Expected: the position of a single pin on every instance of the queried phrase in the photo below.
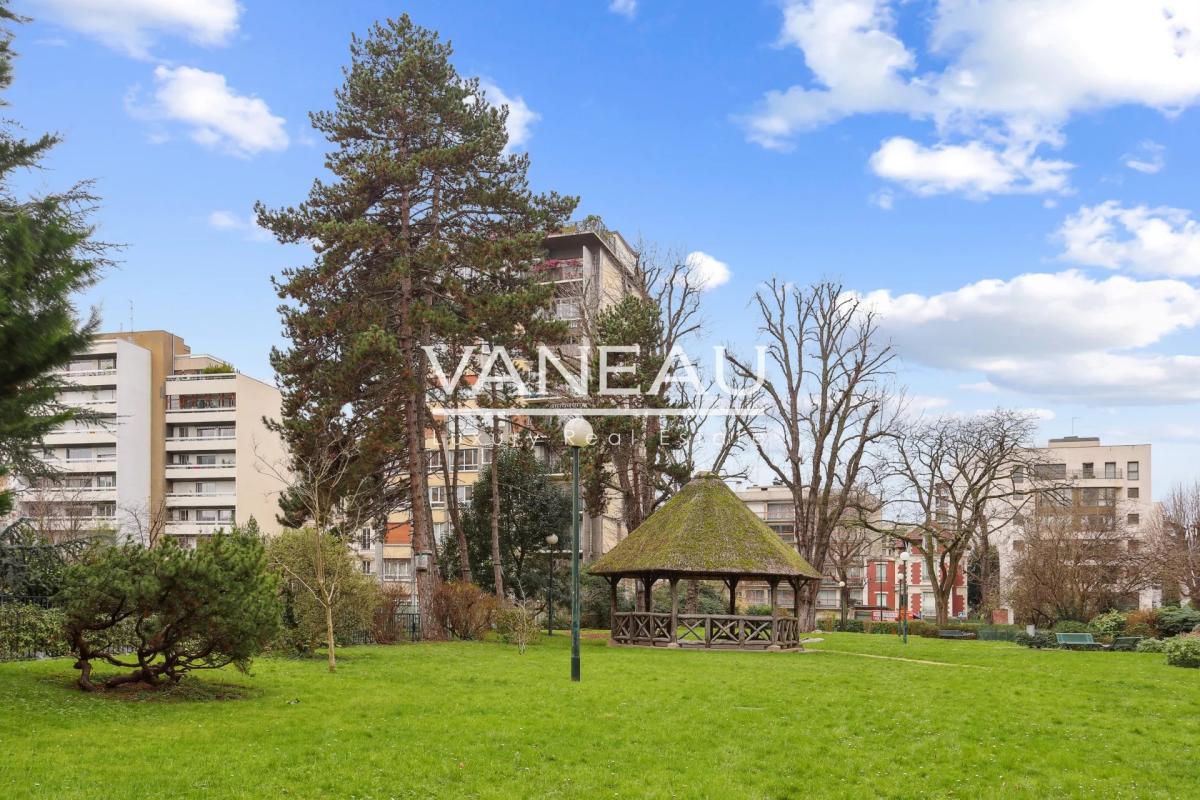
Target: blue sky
(1013, 184)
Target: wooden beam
(774, 584)
(732, 583)
(674, 610)
(612, 603)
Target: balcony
(199, 471)
(194, 528)
(200, 499)
(108, 464)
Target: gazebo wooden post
(612, 603)
(732, 584)
(796, 601)
(675, 611)
(648, 583)
(774, 584)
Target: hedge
(30, 631)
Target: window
(1133, 493)
(437, 496)
(1051, 471)
(395, 569)
(1133, 519)
(881, 599)
(1133, 545)
(828, 598)
(1132, 470)
(106, 481)
(467, 460)
(1018, 546)
(434, 459)
(1089, 469)
(781, 511)
(367, 567)
(757, 597)
(1110, 469)
(880, 571)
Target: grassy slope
(463, 720)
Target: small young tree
(328, 595)
(177, 610)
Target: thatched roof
(704, 531)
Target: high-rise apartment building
(178, 448)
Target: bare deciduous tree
(958, 477)
(1179, 537)
(1069, 570)
(826, 395)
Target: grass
(930, 719)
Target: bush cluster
(1183, 651)
(518, 624)
(1042, 640)
(464, 610)
(27, 630)
(1151, 645)
(1110, 623)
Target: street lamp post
(842, 595)
(551, 540)
(577, 433)
(904, 595)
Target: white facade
(181, 448)
(1103, 480)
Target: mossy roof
(704, 531)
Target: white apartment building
(180, 448)
(1106, 485)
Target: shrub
(1042, 640)
(1071, 626)
(518, 624)
(1146, 620)
(881, 626)
(1151, 645)
(850, 625)
(1110, 623)
(194, 609)
(1175, 620)
(463, 609)
(391, 598)
(759, 611)
(27, 629)
(1183, 651)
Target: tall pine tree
(46, 255)
(425, 226)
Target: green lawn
(988, 719)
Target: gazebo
(704, 533)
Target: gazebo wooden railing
(712, 631)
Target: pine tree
(426, 226)
(46, 254)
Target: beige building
(1106, 485)
(179, 449)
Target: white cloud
(1149, 158)
(248, 226)
(986, 387)
(217, 116)
(1059, 335)
(1011, 71)
(626, 8)
(521, 117)
(884, 198)
(708, 271)
(1156, 241)
(975, 168)
(133, 25)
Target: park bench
(1077, 641)
(955, 635)
(1127, 643)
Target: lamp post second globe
(551, 542)
(577, 433)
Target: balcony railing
(204, 376)
(228, 438)
(201, 494)
(85, 373)
(201, 466)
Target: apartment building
(591, 268)
(883, 590)
(179, 447)
(1096, 486)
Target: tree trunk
(331, 656)
(497, 567)
(692, 604)
(806, 605)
